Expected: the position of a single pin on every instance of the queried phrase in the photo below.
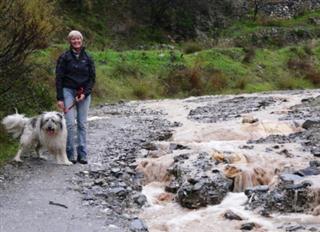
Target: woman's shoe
(82, 160)
(72, 159)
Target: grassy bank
(182, 72)
(164, 73)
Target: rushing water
(225, 140)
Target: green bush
(126, 70)
(191, 47)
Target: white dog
(46, 131)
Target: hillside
(159, 49)
(132, 24)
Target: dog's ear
(61, 125)
(60, 115)
(42, 119)
(33, 122)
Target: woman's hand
(79, 99)
(60, 105)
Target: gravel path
(39, 195)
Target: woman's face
(76, 43)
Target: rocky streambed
(213, 163)
(247, 162)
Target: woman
(75, 77)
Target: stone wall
(287, 8)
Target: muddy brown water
(225, 139)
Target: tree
(256, 7)
(25, 26)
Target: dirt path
(24, 202)
(26, 189)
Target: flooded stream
(226, 137)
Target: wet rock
(276, 147)
(288, 178)
(257, 189)
(172, 187)
(139, 199)
(309, 171)
(302, 185)
(115, 170)
(248, 147)
(181, 157)
(100, 182)
(203, 191)
(118, 190)
(285, 153)
(308, 124)
(137, 225)
(289, 195)
(314, 163)
(177, 124)
(316, 152)
(294, 228)
(150, 146)
(232, 216)
(268, 149)
(249, 119)
(175, 146)
(248, 226)
(280, 139)
(313, 229)
(230, 109)
(165, 135)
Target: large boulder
(293, 193)
(202, 191)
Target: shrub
(290, 83)
(191, 47)
(250, 54)
(217, 79)
(28, 26)
(141, 91)
(299, 64)
(313, 76)
(241, 83)
(181, 79)
(126, 69)
(306, 68)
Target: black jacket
(74, 73)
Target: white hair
(73, 34)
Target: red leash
(79, 92)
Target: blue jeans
(80, 112)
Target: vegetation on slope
(246, 56)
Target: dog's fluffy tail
(14, 124)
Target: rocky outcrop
(196, 181)
(293, 193)
(287, 8)
(203, 190)
(229, 109)
(277, 36)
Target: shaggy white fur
(46, 131)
